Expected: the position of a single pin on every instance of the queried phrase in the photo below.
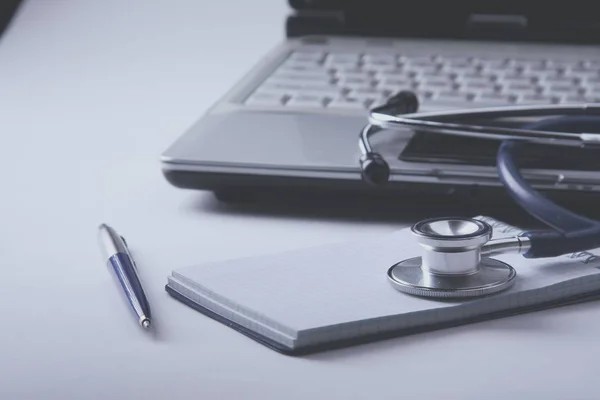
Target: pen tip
(146, 323)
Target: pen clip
(129, 253)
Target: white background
(91, 92)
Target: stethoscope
(456, 252)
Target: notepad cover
(340, 344)
(337, 295)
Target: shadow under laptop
(406, 208)
(333, 208)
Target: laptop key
(451, 96)
(583, 70)
(593, 90)
(325, 92)
(493, 98)
(364, 80)
(348, 103)
(393, 74)
(494, 65)
(350, 70)
(380, 59)
(579, 98)
(436, 85)
(265, 99)
(380, 63)
(560, 89)
(470, 70)
(564, 79)
(560, 64)
(512, 77)
(478, 84)
(304, 68)
(585, 76)
(394, 81)
(306, 56)
(478, 76)
(363, 89)
(383, 69)
(300, 85)
(592, 80)
(533, 99)
(529, 65)
(520, 88)
(437, 80)
(341, 61)
(429, 70)
(306, 100)
(420, 61)
(302, 73)
(459, 63)
(343, 57)
(341, 74)
(301, 79)
(368, 99)
(372, 91)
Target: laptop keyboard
(358, 81)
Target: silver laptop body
(294, 119)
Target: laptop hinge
(449, 22)
(496, 21)
(495, 25)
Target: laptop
(292, 123)
(8, 10)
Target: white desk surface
(91, 92)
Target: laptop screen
(505, 19)
(581, 8)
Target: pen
(119, 260)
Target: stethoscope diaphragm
(492, 276)
(452, 265)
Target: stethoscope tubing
(434, 122)
(570, 232)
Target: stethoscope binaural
(456, 252)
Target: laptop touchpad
(288, 140)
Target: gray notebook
(337, 295)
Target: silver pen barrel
(110, 242)
(118, 259)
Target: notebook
(337, 295)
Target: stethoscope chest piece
(452, 265)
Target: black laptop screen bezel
(576, 21)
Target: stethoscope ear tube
(374, 169)
(572, 232)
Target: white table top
(91, 92)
